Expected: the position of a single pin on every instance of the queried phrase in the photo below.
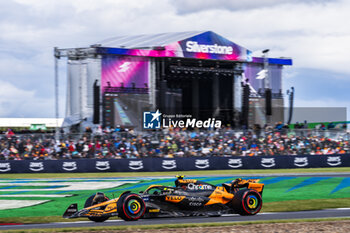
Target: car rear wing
(239, 183)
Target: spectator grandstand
(120, 143)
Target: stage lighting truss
(76, 53)
(183, 70)
(126, 90)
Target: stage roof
(147, 40)
(194, 44)
(190, 44)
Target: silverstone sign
(193, 46)
(174, 164)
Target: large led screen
(124, 110)
(124, 72)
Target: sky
(314, 33)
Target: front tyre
(247, 202)
(93, 200)
(131, 207)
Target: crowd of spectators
(116, 144)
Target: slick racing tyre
(131, 207)
(247, 202)
(100, 197)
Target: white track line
(114, 220)
(34, 195)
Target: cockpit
(158, 189)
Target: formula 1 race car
(189, 197)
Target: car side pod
(71, 211)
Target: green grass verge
(282, 206)
(277, 189)
(139, 228)
(173, 173)
(280, 193)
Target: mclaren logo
(268, 162)
(36, 166)
(135, 165)
(169, 164)
(235, 163)
(5, 167)
(334, 161)
(69, 166)
(202, 163)
(102, 165)
(301, 162)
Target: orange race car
(189, 197)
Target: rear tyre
(90, 202)
(131, 207)
(247, 202)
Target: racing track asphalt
(327, 213)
